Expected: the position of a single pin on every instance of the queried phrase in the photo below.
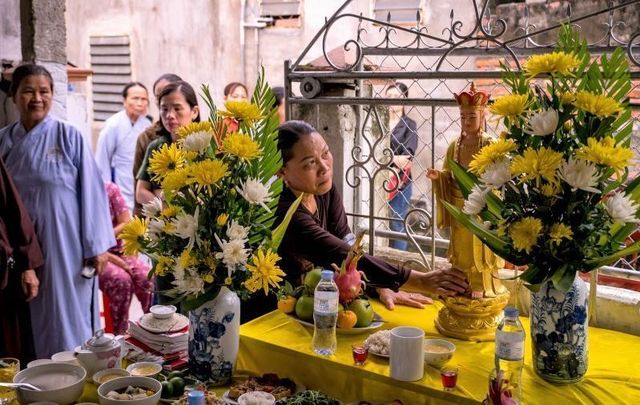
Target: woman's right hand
(438, 282)
(433, 174)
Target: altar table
(275, 343)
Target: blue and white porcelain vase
(214, 337)
(559, 332)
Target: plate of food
(355, 318)
(379, 343)
(280, 388)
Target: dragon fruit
(348, 278)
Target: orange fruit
(347, 319)
(287, 304)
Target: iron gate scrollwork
(475, 38)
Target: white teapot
(101, 351)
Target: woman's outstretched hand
(390, 298)
(438, 282)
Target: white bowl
(38, 362)
(162, 311)
(115, 372)
(144, 369)
(60, 382)
(437, 352)
(124, 382)
(253, 397)
(66, 357)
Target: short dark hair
(125, 91)
(186, 90)
(170, 77)
(289, 134)
(26, 70)
(278, 93)
(402, 88)
(230, 88)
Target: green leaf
(606, 260)
(190, 304)
(278, 233)
(466, 181)
(495, 243)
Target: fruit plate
(377, 323)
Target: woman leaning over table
(318, 234)
(178, 106)
(60, 185)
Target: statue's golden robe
(466, 252)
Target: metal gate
(471, 43)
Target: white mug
(406, 362)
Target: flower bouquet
(554, 193)
(213, 226)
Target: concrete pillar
(44, 41)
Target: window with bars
(280, 9)
(111, 65)
(399, 11)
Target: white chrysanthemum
(542, 123)
(255, 192)
(152, 208)
(237, 231)
(580, 174)
(233, 253)
(187, 226)
(154, 229)
(476, 201)
(622, 208)
(497, 173)
(189, 282)
(197, 141)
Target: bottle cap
(326, 275)
(511, 312)
(195, 397)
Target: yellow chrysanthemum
(169, 211)
(169, 228)
(555, 62)
(228, 281)
(606, 152)
(162, 265)
(525, 233)
(209, 172)
(264, 271)
(175, 180)
(489, 154)
(208, 278)
(511, 106)
(222, 219)
(241, 145)
(597, 104)
(165, 160)
(132, 235)
(242, 111)
(560, 231)
(567, 98)
(186, 259)
(550, 189)
(203, 126)
(537, 164)
(210, 262)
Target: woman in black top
(318, 234)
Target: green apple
(364, 312)
(304, 308)
(311, 280)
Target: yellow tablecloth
(276, 343)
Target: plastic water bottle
(325, 315)
(509, 357)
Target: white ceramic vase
(214, 337)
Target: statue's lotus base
(471, 319)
